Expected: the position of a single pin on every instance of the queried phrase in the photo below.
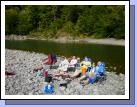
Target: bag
(45, 73)
(39, 74)
(48, 79)
(71, 69)
(63, 83)
(49, 89)
(54, 58)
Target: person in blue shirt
(90, 75)
(95, 73)
(100, 69)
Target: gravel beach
(26, 82)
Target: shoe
(36, 70)
(81, 82)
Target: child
(84, 65)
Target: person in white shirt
(72, 64)
(63, 65)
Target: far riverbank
(105, 41)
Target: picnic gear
(49, 89)
(54, 58)
(45, 73)
(39, 74)
(48, 77)
(63, 83)
(71, 69)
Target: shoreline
(104, 41)
(26, 81)
(109, 41)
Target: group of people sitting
(85, 69)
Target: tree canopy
(52, 21)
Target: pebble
(26, 82)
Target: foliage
(50, 21)
(11, 20)
(24, 24)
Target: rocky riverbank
(26, 81)
(107, 41)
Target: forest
(77, 21)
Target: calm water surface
(113, 56)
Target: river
(113, 56)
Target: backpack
(54, 58)
(49, 89)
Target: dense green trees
(11, 20)
(76, 21)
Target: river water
(113, 56)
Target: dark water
(113, 56)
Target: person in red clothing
(48, 61)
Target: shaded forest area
(72, 21)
